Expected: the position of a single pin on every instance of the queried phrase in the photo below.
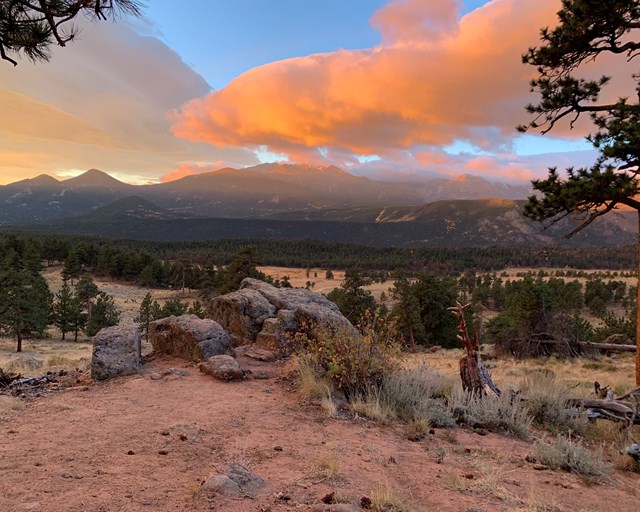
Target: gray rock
(116, 352)
(189, 337)
(242, 314)
(222, 368)
(287, 298)
(235, 481)
(222, 484)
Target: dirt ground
(138, 444)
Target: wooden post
(475, 376)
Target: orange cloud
(433, 80)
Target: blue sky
(221, 39)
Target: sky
(390, 89)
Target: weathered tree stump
(474, 374)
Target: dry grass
(310, 385)
(371, 406)
(569, 372)
(39, 356)
(328, 466)
(9, 405)
(387, 499)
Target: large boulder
(242, 314)
(116, 352)
(189, 337)
(299, 310)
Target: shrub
(572, 457)
(418, 394)
(503, 414)
(547, 402)
(354, 363)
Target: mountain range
(258, 191)
(294, 201)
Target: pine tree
(145, 315)
(354, 301)
(86, 290)
(63, 314)
(588, 30)
(72, 267)
(31, 28)
(196, 309)
(104, 314)
(25, 304)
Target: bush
(547, 403)
(418, 394)
(354, 363)
(572, 457)
(504, 414)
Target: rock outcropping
(116, 352)
(189, 337)
(268, 316)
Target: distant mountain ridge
(456, 223)
(255, 192)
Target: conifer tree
(25, 304)
(72, 267)
(105, 313)
(31, 28)
(145, 315)
(589, 30)
(63, 314)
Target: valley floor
(146, 444)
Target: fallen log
(606, 347)
(610, 407)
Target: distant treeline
(313, 253)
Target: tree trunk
(475, 377)
(19, 349)
(638, 311)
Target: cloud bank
(434, 79)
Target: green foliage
(243, 265)
(612, 324)
(197, 309)
(587, 30)
(420, 311)
(174, 307)
(72, 267)
(104, 314)
(64, 309)
(31, 29)
(146, 315)
(354, 363)
(355, 303)
(25, 304)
